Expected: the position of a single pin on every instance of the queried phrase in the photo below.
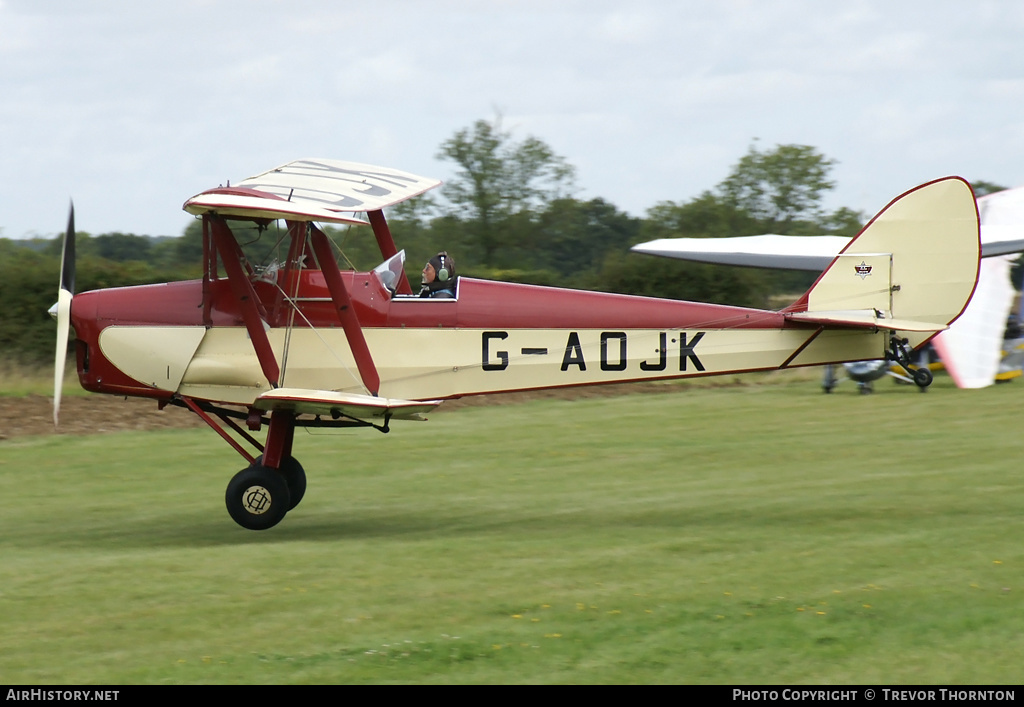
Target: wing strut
(343, 307)
(248, 303)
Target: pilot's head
(439, 271)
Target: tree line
(509, 213)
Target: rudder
(915, 261)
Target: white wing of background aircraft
(971, 348)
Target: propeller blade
(63, 311)
(67, 257)
(63, 328)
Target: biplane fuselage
(301, 343)
(169, 339)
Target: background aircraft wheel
(923, 377)
(294, 475)
(828, 381)
(257, 498)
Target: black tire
(923, 378)
(257, 498)
(294, 475)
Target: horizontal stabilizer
(862, 318)
(328, 402)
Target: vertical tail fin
(915, 262)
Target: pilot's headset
(444, 266)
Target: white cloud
(653, 100)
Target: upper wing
(313, 190)
(328, 402)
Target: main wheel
(294, 476)
(257, 498)
(923, 378)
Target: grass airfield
(748, 533)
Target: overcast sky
(131, 107)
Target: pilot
(438, 278)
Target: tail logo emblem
(863, 269)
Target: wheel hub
(256, 500)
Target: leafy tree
(779, 186)
(776, 191)
(843, 222)
(185, 250)
(572, 236)
(499, 178)
(637, 274)
(707, 216)
(121, 247)
(28, 287)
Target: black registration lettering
(502, 355)
(662, 351)
(607, 365)
(686, 351)
(573, 353)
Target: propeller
(63, 310)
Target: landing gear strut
(260, 495)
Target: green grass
(18, 379)
(764, 534)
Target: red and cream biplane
(303, 343)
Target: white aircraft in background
(973, 350)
